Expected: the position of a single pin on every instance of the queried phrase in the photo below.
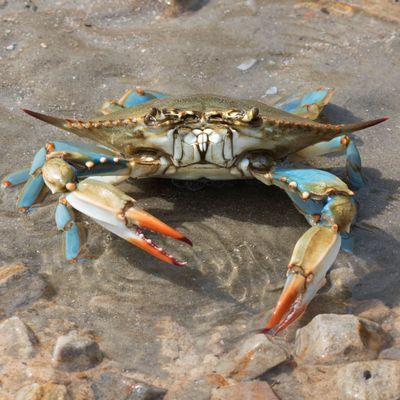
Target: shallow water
(68, 56)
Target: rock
(373, 309)
(16, 339)
(19, 286)
(369, 380)
(331, 338)
(110, 386)
(47, 391)
(254, 390)
(76, 353)
(251, 358)
(244, 66)
(392, 353)
(142, 391)
(395, 327)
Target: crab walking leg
(85, 156)
(72, 232)
(16, 178)
(306, 105)
(131, 98)
(339, 144)
(117, 212)
(33, 179)
(328, 205)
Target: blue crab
(149, 134)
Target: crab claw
(312, 257)
(116, 211)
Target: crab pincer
(117, 212)
(312, 257)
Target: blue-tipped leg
(72, 235)
(16, 178)
(30, 193)
(137, 97)
(321, 197)
(339, 144)
(353, 166)
(307, 105)
(131, 98)
(38, 160)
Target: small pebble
(143, 391)
(271, 91)
(76, 353)
(244, 66)
(43, 45)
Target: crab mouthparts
(146, 244)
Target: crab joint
(58, 175)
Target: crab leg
(328, 206)
(16, 178)
(131, 98)
(307, 105)
(339, 144)
(85, 156)
(73, 234)
(117, 212)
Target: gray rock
(47, 391)
(251, 358)
(19, 286)
(254, 390)
(111, 386)
(392, 353)
(76, 353)
(16, 339)
(370, 380)
(331, 338)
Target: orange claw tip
(148, 221)
(289, 306)
(6, 184)
(186, 240)
(24, 209)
